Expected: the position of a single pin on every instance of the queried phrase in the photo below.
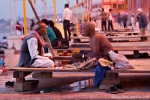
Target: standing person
(110, 23)
(103, 19)
(32, 49)
(142, 22)
(124, 19)
(18, 28)
(55, 29)
(67, 15)
(119, 19)
(132, 22)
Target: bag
(60, 43)
(120, 60)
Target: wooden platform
(27, 85)
(137, 69)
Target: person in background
(132, 22)
(50, 33)
(142, 22)
(32, 49)
(119, 19)
(103, 19)
(32, 24)
(82, 24)
(67, 16)
(55, 29)
(18, 28)
(124, 19)
(110, 23)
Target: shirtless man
(99, 44)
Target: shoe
(9, 84)
(112, 90)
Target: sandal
(112, 90)
(9, 84)
(119, 88)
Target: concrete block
(111, 81)
(14, 41)
(26, 86)
(111, 75)
(42, 75)
(105, 86)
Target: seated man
(55, 29)
(99, 44)
(32, 49)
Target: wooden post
(47, 39)
(77, 16)
(24, 14)
(10, 18)
(54, 1)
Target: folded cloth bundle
(105, 62)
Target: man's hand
(51, 58)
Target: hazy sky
(5, 11)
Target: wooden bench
(118, 32)
(120, 38)
(110, 78)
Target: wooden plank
(120, 48)
(137, 69)
(119, 44)
(135, 36)
(120, 32)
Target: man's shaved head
(88, 28)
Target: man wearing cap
(142, 22)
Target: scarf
(40, 40)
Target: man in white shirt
(110, 18)
(32, 49)
(67, 15)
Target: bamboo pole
(77, 17)
(54, 1)
(24, 14)
(47, 39)
(15, 16)
(10, 18)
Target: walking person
(132, 22)
(67, 16)
(18, 28)
(119, 19)
(110, 23)
(142, 22)
(124, 19)
(103, 19)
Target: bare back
(100, 45)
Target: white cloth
(67, 14)
(132, 21)
(40, 61)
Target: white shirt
(132, 20)
(41, 61)
(67, 14)
(110, 16)
(33, 45)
